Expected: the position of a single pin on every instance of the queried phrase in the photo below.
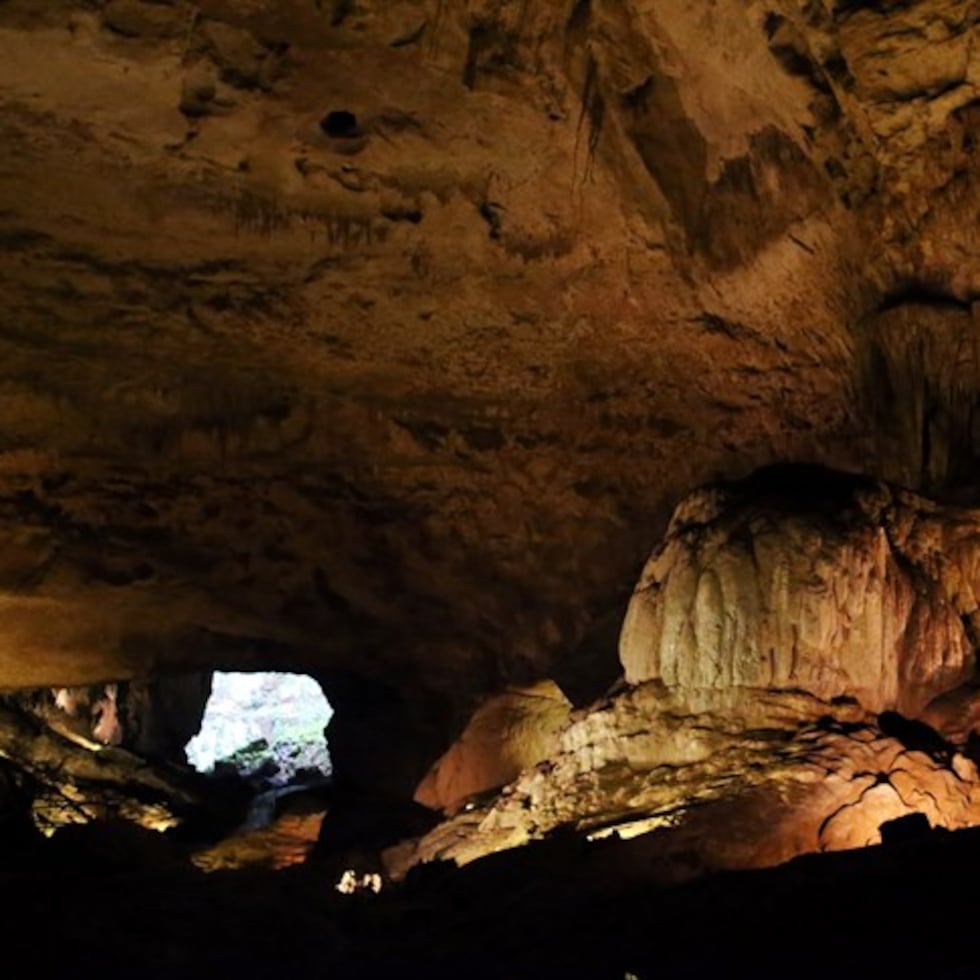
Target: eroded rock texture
(724, 779)
(802, 579)
(63, 779)
(507, 734)
(380, 339)
(769, 641)
(152, 718)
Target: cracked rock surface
(720, 780)
(768, 644)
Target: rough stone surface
(802, 579)
(151, 718)
(382, 338)
(70, 780)
(285, 842)
(507, 734)
(726, 780)
(378, 340)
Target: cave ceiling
(383, 337)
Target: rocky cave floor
(777, 774)
(548, 910)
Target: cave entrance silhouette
(267, 727)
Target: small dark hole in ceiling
(340, 124)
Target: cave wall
(406, 392)
(918, 381)
(152, 718)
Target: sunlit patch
(635, 828)
(269, 726)
(351, 882)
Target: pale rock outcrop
(721, 779)
(802, 579)
(771, 638)
(507, 734)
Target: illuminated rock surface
(720, 780)
(379, 340)
(769, 640)
(72, 780)
(285, 842)
(814, 581)
(509, 733)
(427, 379)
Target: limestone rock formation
(67, 779)
(378, 340)
(956, 714)
(801, 579)
(286, 841)
(508, 734)
(771, 637)
(154, 718)
(918, 364)
(407, 324)
(719, 779)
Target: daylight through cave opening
(267, 727)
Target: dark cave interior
(581, 396)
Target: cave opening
(266, 727)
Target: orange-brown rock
(381, 339)
(286, 841)
(507, 734)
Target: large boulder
(507, 734)
(801, 578)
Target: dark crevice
(411, 215)
(578, 21)
(916, 736)
(921, 294)
(490, 212)
(772, 23)
(837, 68)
